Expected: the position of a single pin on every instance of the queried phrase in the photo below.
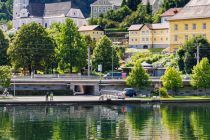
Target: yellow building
(147, 36)
(95, 31)
(191, 21)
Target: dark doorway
(145, 47)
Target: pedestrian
(51, 96)
(47, 95)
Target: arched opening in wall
(84, 90)
(145, 47)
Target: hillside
(5, 10)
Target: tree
(138, 76)
(103, 53)
(5, 76)
(148, 8)
(72, 49)
(4, 44)
(90, 42)
(133, 4)
(172, 79)
(187, 54)
(31, 48)
(201, 74)
(123, 3)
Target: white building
(102, 6)
(45, 14)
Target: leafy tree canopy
(138, 76)
(103, 54)
(201, 74)
(4, 44)
(31, 48)
(172, 79)
(5, 76)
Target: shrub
(163, 92)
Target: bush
(163, 92)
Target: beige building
(146, 36)
(102, 6)
(193, 20)
(94, 31)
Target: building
(146, 36)
(191, 21)
(102, 6)
(45, 14)
(94, 31)
(168, 14)
(155, 4)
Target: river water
(106, 122)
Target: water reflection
(146, 122)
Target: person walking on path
(47, 95)
(51, 96)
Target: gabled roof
(91, 28)
(108, 2)
(158, 26)
(171, 12)
(136, 27)
(193, 10)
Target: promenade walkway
(39, 100)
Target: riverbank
(59, 100)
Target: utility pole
(112, 63)
(88, 61)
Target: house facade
(191, 21)
(102, 6)
(169, 14)
(94, 31)
(45, 14)
(146, 36)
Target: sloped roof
(193, 10)
(158, 26)
(136, 27)
(108, 2)
(171, 12)
(91, 28)
(57, 9)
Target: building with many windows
(25, 12)
(191, 21)
(102, 6)
(169, 14)
(147, 36)
(94, 31)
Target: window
(167, 38)
(193, 35)
(175, 38)
(147, 39)
(194, 26)
(204, 35)
(186, 37)
(155, 39)
(142, 39)
(135, 39)
(143, 32)
(186, 26)
(204, 26)
(161, 39)
(175, 27)
(45, 25)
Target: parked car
(130, 92)
(116, 75)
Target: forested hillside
(5, 10)
(133, 12)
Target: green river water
(106, 122)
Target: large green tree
(103, 54)
(72, 48)
(187, 54)
(138, 76)
(31, 48)
(4, 44)
(172, 79)
(5, 76)
(201, 74)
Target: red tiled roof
(171, 12)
